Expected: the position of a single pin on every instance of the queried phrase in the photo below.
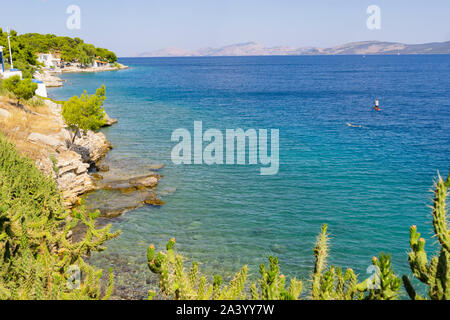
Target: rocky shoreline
(51, 79)
(78, 169)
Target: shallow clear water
(368, 183)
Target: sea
(367, 174)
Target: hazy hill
(358, 48)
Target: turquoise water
(369, 183)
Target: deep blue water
(369, 183)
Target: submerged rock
(114, 202)
(103, 167)
(167, 191)
(132, 184)
(278, 248)
(154, 202)
(148, 181)
(156, 167)
(96, 176)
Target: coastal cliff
(40, 133)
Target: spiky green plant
(385, 285)
(178, 284)
(36, 249)
(273, 284)
(332, 284)
(436, 273)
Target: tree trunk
(73, 138)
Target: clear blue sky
(132, 26)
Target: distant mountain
(256, 49)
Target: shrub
(37, 256)
(85, 112)
(21, 89)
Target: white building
(41, 89)
(49, 60)
(10, 73)
(99, 63)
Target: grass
(25, 120)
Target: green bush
(85, 112)
(36, 101)
(37, 256)
(3, 91)
(21, 89)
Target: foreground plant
(436, 273)
(273, 284)
(327, 283)
(38, 259)
(332, 284)
(175, 282)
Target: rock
(72, 177)
(45, 139)
(46, 165)
(154, 202)
(92, 146)
(127, 190)
(103, 167)
(147, 181)
(167, 191)
(109, 121)
(65, 135)
(96, 176)
(278, 248)
(4, 113)
(128, 186)
(156, 167)
(49, 79)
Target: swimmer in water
(353, 125)
(377, 108)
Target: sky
(134, 26)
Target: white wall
(41, 90)
(8, 74)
